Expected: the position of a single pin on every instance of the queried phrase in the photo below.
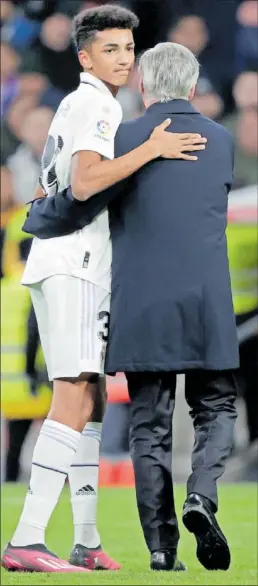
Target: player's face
(110, 57)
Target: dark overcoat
(171, 305)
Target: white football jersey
(86, 120)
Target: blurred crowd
(39, 67)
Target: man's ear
(192, 92)
(141, 86)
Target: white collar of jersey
(97, 83)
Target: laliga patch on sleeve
(103, 130)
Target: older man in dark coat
(171, 308)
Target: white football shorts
(73, 322)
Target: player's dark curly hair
(92, 20)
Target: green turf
(122, 538)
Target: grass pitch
(122, 538)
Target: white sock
(83, 479)
(53, 454)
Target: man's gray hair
(169, 71)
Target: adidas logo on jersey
(86, 490)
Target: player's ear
(140, 85)
(85, 59)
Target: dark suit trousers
(152, 404)
(211, 397)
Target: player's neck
(112, 88)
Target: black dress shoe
(212, 547)
(167, 561)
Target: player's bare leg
(83, 478)
(54, 452)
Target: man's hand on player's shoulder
(171, 145)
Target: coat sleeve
(62, 214)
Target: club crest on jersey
(103, 127)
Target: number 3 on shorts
(104, 317)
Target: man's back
(170, 267)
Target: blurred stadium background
(38, 68)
